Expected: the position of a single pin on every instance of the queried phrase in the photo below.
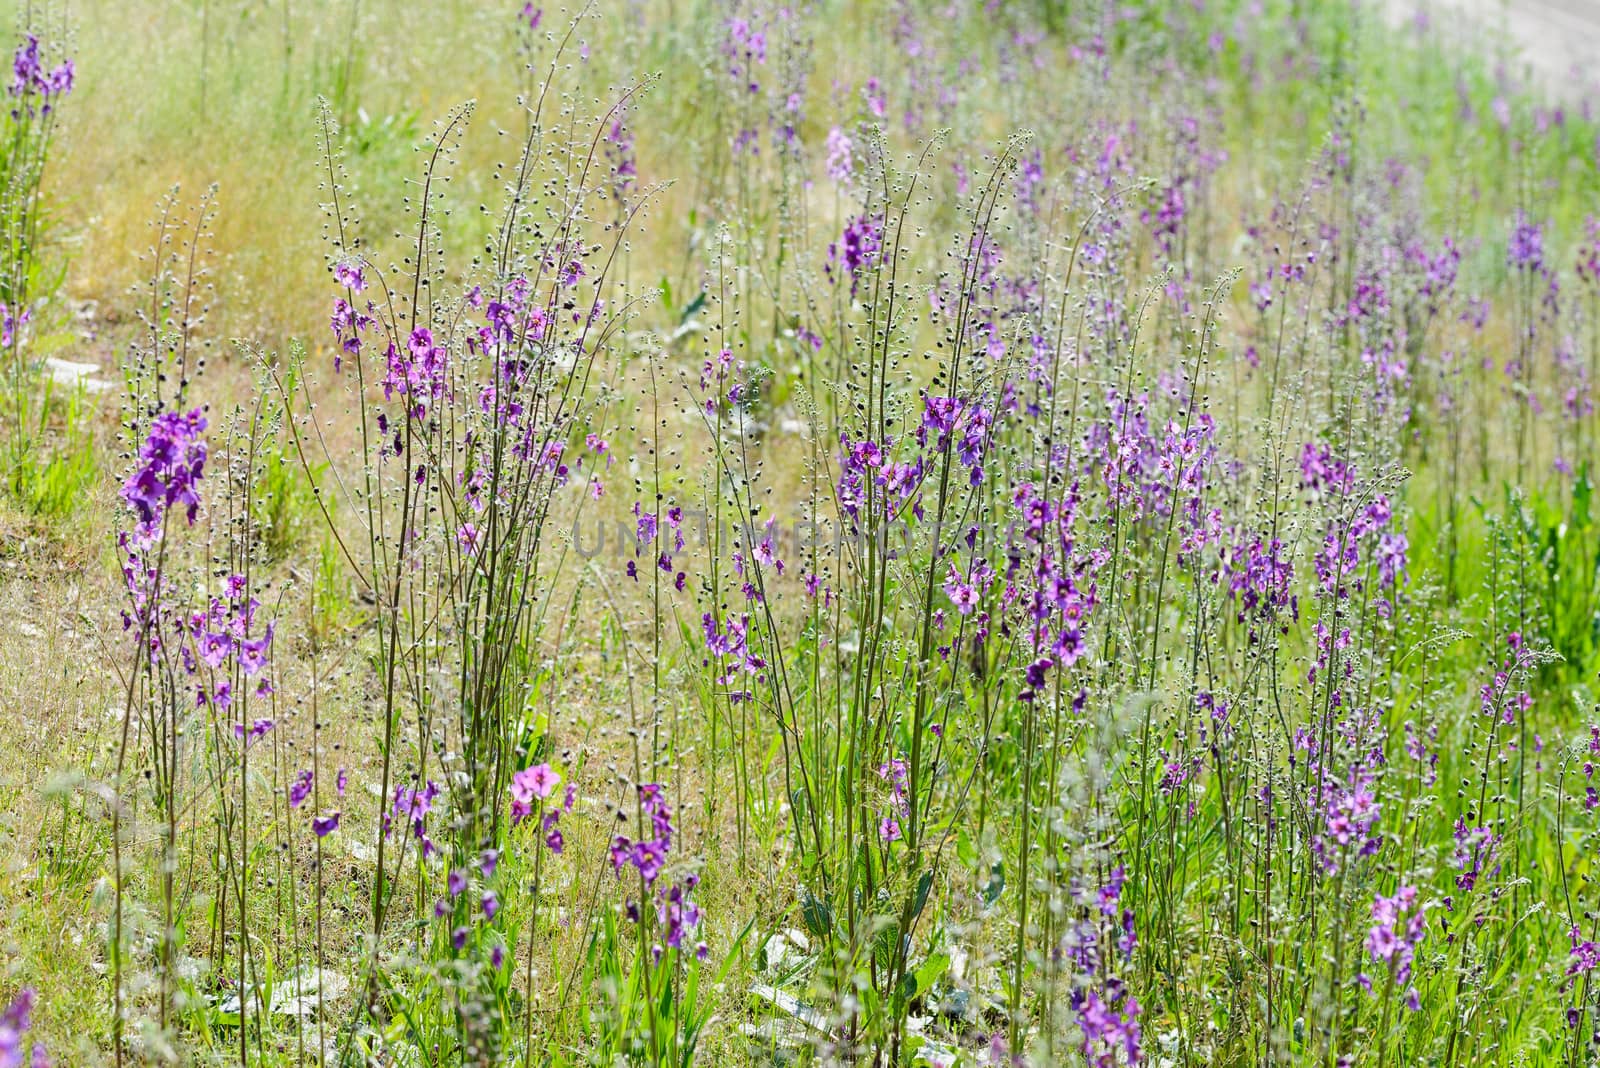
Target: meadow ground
(726, 532)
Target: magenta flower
(1399, 924)
(537, 782)
(348, 274)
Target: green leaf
(931, 971)
(920, 900)
(694, 307)
(818, 915)
(801, 802)
(996, 885)
(966, 852)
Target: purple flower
(325, 825)
(215, 647)
(419, 373)
(648, 856)
(856, 251)
(840, 161)
(1108, 1023)
(15, 1022)
(28, 75)
(1399, 924)
(414, 805)
(171, 461)
(1030, 178)
(1585, 955)
(10, 322)
(253, 652)
(1111, 893)
(678, 914)
(1391, 558)
(530, 785)
(619, 152)
(1525, 247)
(1323, 473)
(60, 81)
(249, 735)
(349, 275)
(300, 789)
(25, 68)
(347, 325)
